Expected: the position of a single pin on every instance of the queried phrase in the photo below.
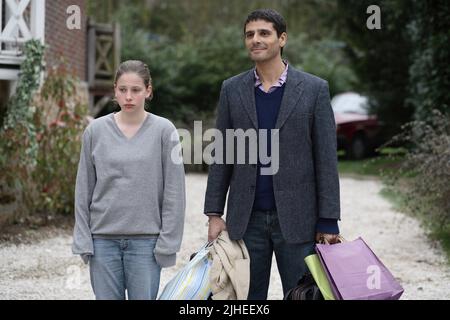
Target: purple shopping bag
(356, 273)
(336, 294)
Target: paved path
(48, 270)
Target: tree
(429, 72)
(381, 58)
(191, 46)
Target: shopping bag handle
(322, 240)
(205, 246)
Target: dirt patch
(36, 228)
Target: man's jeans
(262, 238)
(124, 264)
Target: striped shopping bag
(192, 281)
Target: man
(288, 211)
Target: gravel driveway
(46, 269)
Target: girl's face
(130, 92)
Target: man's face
(262, 41)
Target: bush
(61, 119)
(40, 143)
(18, 143)
(188, 71)
(187, 75)
(426, 167)
(324, 58)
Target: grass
(368, 167)
(436, 230)
(442, 234)
(395, 197)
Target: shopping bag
(334, 290)
(315, 268)
(357, 273)
(192, 281)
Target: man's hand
(330, 238)
(216, 225)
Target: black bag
(306, 289)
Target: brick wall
(61, 41)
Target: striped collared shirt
(278, 84)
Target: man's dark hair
(268, 15)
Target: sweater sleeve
(329, 226)
(174, 200)
(84, 188)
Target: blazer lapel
(247, 92)
(292, 93)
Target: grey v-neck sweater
(130, 187)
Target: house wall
(63, 41)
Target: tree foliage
(429, 80)
(191, 47)
(403, 67)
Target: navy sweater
(267, 108)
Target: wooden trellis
(20, 21)
(103, 60)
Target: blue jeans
(124, 264)
(262, 238)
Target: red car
(358, 132)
